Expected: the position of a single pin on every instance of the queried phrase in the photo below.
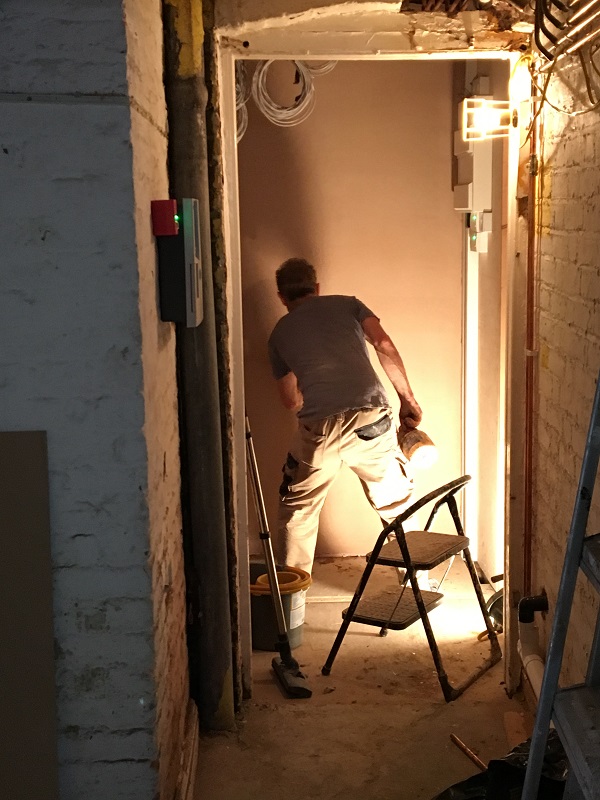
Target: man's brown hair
(296, 278)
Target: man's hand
(410, 414)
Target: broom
(286, 668)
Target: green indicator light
(176, 217)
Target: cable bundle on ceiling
(284, 116)
(242, 95)
(319, 67)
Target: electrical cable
(241, 116)
(586, 76)
(593, 52)
(242, 87)
(543, 90)
(284, 116)
(544, 99)
(242, 95)
(319, 67)
(538, 110)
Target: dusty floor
(378, 726)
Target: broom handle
(264, 532)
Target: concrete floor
(378, 726)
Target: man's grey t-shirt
(322, 342)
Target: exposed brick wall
(84, 357)
(569, 343)
(161, 427)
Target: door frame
(282, 46)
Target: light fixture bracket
(485, 118)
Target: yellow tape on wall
(190, 32)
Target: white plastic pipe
(528, 648)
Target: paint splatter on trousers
(366, 441)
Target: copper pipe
(582, 11)
(561, 52)
(529, 357)
(579, 44)
(579, 27)
(469, 753)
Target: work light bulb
(424, 457)
(418, 448)
(486, 119)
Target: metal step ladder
(412, 551)
(575, 710)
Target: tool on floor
(286, 668)
(415, 551)
(575, 710)
(468, 752)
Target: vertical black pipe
(203, 504)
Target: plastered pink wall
(363, 190)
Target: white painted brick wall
(61, 47)
(84, 356)
(569, 339)
(71, 365)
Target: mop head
(291, 678)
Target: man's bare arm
(290, 394)
(391, 361)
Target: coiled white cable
(242, 95)
(284, 116)
(319, 67)
(242, 88)
(241, 121)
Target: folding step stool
(412, 551)
(575, 710)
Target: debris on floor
(378, 726)
(505, 775)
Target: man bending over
(319, 358)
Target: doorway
(369, 199)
